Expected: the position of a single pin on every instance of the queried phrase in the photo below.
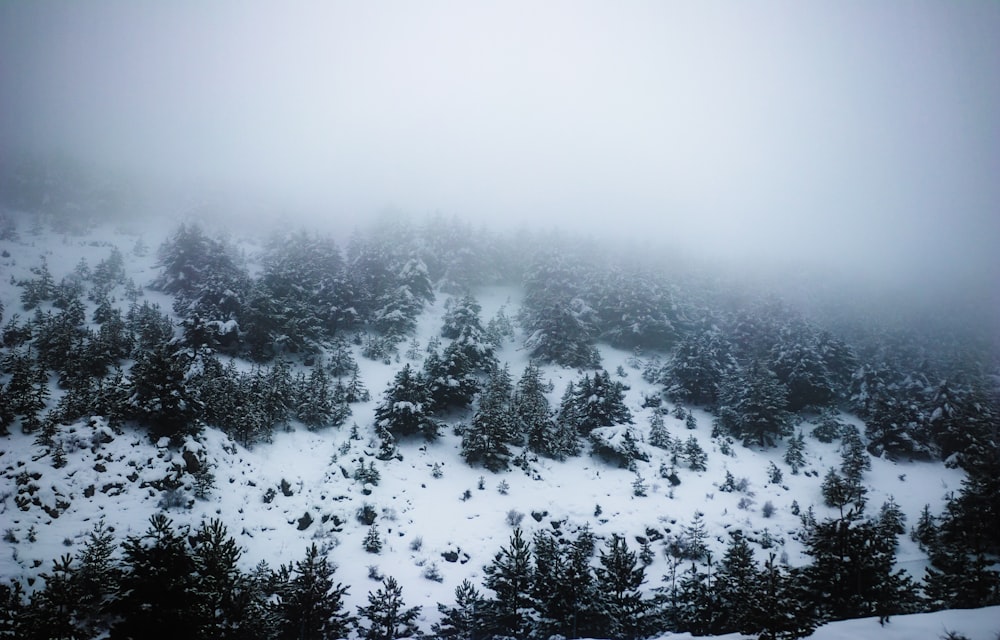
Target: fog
(855, 137)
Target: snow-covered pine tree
(309, 604)
(157, 588)
(560, 324)
(386, 617)
(493, 426)
(737, 587)
(659, 436)
(461, 621)
(404, 407)
(794, 453)
(619, 578)
(508, 576)
(752, 406)
(698, 367)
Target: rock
(305, 521)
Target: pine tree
(560, 324)
(157, 589)
(373, 541)
(160, 395)
(695, 455)
(53, 612)
(700, 363)
(854, 457)
(309, 605)
(493, 426)
(658, 434)
(782, 610)
(97, 578)
(462, 318)
(462, 621)
(694, 609)
(534, 419)
(404, 409)
(619, 577)
(549, 573)
(509, 577)
(224, 597)
(386, 614)
(319, 405)
(737, 586)
(753, 406)
(794, 457)
(852, 571)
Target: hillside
(259, 391)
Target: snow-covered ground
(974, 624)
(430, 526)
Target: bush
(367, 514)
(514, 517)
(431, 572)
(767, 510)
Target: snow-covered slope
(438, 527)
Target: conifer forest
(499, 320)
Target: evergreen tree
(594, 402)
(695, 455)
(549, 573)
(560, 324)
(658, 435)
(398, 306)
(462, 621)
(462, 318)
(160, 396)
(694, 609)
(782, 610)
(839, 492)
(799, 364)
(634, 309)
(493, 426)
(852, 571)
(12, 610)
(737, 587)
(157, 591)
(753, 406)
(854, 457)
(509, 577)
(227, 604)
(533, 417)
(794, 457)
(453, 377)
(97, 578)
(699, 365)
(619, 577)
(52, 612)
(386, 614)
(303, 298)
(404, 409)
(309, 605)
(317, 403)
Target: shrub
(514, 517)
(367, 514)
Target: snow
(974, 624)
(413, 504)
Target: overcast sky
(842, 133)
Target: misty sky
(835, 132)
